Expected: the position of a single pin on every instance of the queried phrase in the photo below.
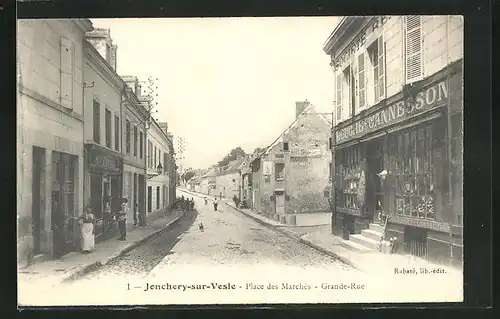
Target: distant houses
(288, 179)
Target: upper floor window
(376, 54)
(96, 114)
(361, 82)
(127, 138)
(135, 140)
(285, 146)
(413, 49)
(279, 171)
(155, 159)
(349, 92)
(338, 96)
(150, 154)
(117, 133)
(108, 128)
(141, 145)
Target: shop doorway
(96, 200)
(36, 203)
(374, 192)
(415, 241)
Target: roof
(214, 171)
(309, 109)
(236, 165)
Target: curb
(86, 269)
(291, 235)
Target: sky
(227, 82)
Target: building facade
(398, 134)
(228, 181)
(289, 178)
(104, 92)
(50, 153)
(134, 151)
(159, 148)
(209, 181)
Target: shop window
(351, 173)
(413, 49)
(127, 138)
(279, 171)
(117, 133)
(108, 128)
(96, 114)
(135, 140)
(411, 155)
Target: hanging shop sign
(103, 160)
(419, 222)
(434, 96)
(267, 167)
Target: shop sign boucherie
(392, 114)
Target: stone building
(398, 133)
(50, 154)
(289, 177)
(208, 181)
(228, 181)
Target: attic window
(285, 146)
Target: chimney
(300, 107)
(102, 42)
(138, 90)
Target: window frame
(277, 175)
(135, 140)
(419, 52)
(96, 118)
(108, 128)
(127, 136)
(117, 133)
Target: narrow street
(228, 238)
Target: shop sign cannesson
(434, 96)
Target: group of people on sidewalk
(87, 223)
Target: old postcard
(240, 160)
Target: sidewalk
(75, 264)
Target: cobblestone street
(227, 238)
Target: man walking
(215, 204)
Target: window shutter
(413, 41)
(338, 98)
(66, 73)
(361, 81)
(381, 67)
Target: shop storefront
(402, 159)
(104, 171)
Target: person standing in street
(215, 204)
(122, 219)
(87, 230)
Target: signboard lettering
(419, 222)
(394, 113)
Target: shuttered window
(67, 66)
(413, 52)
(96, 114)
(141, 145)
(135, 140)
(154, 166)
(117, 133)
(338, 96)
(127, 138)
(108, 128)
(361, 81)
(381, 67)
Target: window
(279, 171)
(338, 96)
(141, 145)
(157, 197)
(67, 70)
(361, 81)
(159, 156)
(376, 53)
(155, 159)
(413, 49)
(330, 171)
(350, 90)
(330, 143)
(166, 164)
(127, 138)
(150, 199)
(150, 154)
(97, 121)
(351, 173)
(108, 128)
(412, 160)
(135, 140)
(117, 133)
(285, 146)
